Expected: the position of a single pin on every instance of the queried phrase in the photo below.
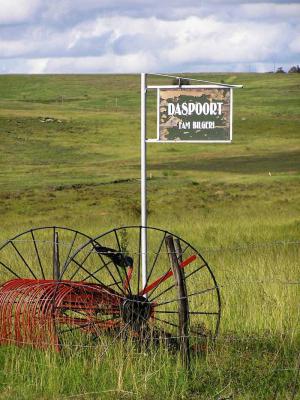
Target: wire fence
(244, 246)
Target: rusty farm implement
(60, 287)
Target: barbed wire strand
(244, 246)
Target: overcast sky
(82, 36)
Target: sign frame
(157, 88)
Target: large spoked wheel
(39, 253)
(30, 266)
(180, 302)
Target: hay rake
(61, 287)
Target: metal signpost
(185, 114)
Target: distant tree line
(292, 70)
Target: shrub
(180, 81)
(294, 69)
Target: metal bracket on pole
(143, 181)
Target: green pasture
(70, 157)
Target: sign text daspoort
(194, 114)
(195, 108)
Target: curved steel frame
(93, 240)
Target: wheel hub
(136, 311)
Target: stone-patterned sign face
(194, 114)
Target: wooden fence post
(174, 252)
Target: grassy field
(70, 156)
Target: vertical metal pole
(143, 180)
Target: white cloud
(295, 44)
(251, 33)
(17, 11)
(37, 66)
(269, 10)
(106, 63)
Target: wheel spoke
(172, 286)
(165, 322)
(155, 260)
(196, 270)
(85, 325)
(190, 312)
(113, 284)
(89, 273)
(70, 249)
(23, 259)
(188, 296)
(97, 270)
(37, 254)
(185, 249)
(117, 268)
(9, 269)
(80, 265)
